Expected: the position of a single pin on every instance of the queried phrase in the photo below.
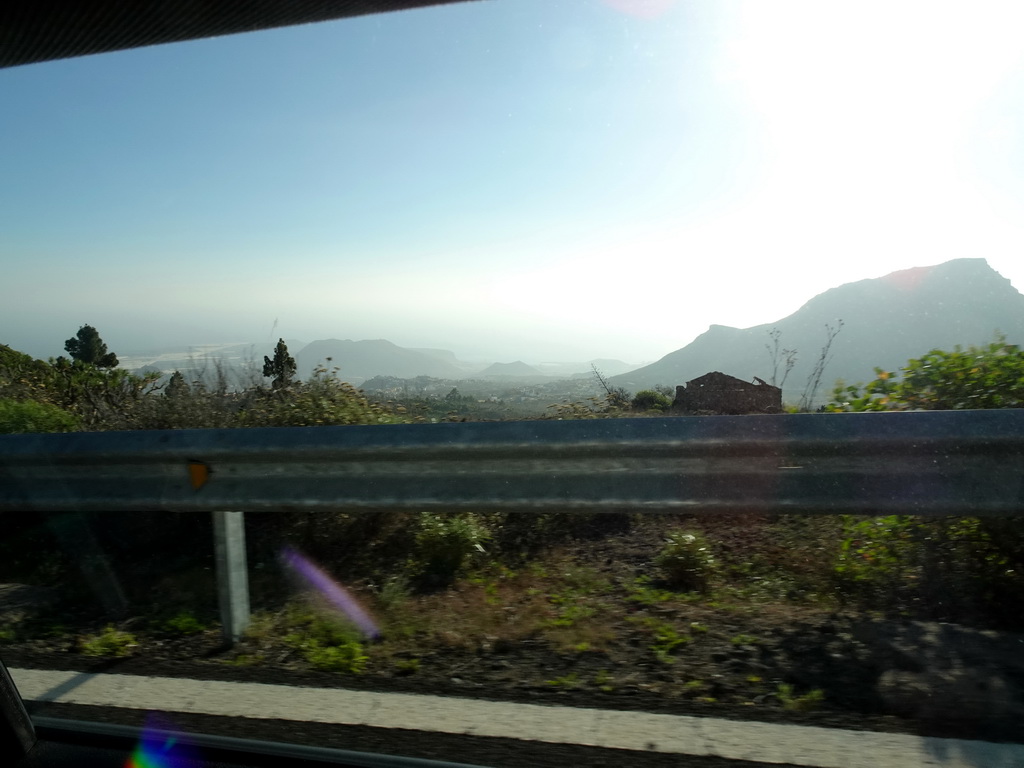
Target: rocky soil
(771, 660)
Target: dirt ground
(761, 660)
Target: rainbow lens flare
(159, 747)
(335, 594)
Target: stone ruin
(719, 393)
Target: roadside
(588, 621)
(556, 727)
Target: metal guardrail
(935, 463)
(927, 463)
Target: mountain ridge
(885, 321)
(361, 360)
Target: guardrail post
(232, 573)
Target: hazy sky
(535, 179)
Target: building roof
(717, 378)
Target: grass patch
(406, 667)
(667, 639)
(182, 625)
(570, 681)
(807, 702)
(743, 639)
(110, 642)
(325, 642)
(603, 680)
(645, 594)
(344, 658)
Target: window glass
(518, 210)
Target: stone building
(722, 394)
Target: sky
(511, 179)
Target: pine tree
(177, 386)
(281, 368)
(88, 347)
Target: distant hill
(449, 357)
(441, 354)
(886, 321)
(360, 360)
(517, 369)
(607, 367)
(257, 351)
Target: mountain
(257, 351)
(518, 368)
(360, 360)
(468, 368)
(885, 322)
(180, 358)
(609, 367)
(441, 354)
(583, 370)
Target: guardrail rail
(920, 463)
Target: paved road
(675, 734)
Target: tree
(281, 368)
(87, 347)
(177, 386)
(103, 399)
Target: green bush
(935, 568)
(327, 643)
(807, 702)
(347, 658)
(29, 416)
(948, 566)
(650, 400)
(877, 555)
(183, 624)
(110, 642)
(445, 544)
(321, 401)
(977, 377)
(686, 561)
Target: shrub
(978, 377)
(650, 400)
(939, 565)
(183, 624)
(321, 401)
(110, 642)
(328, 644)
(30, 416)
(876, 556)
(446, 543)
(807, 702)
(937, 568)
(686, 561)
(347, 658)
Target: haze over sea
(536, 180)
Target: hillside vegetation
(803, 616)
